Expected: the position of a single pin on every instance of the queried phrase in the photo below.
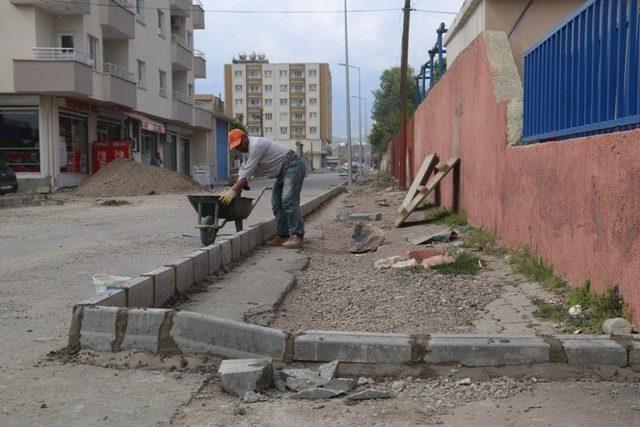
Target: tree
(386, 108)
(236, 123)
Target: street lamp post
(348, 90)
(359, 108)
(362, 150)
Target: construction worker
(268, 158)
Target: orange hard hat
(235, 137)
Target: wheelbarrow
(213, 215)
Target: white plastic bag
(106, 282)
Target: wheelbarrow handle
(255, 202)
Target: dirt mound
(124, 177)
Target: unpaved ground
(343, 291)
(47, 257)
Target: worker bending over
(268, 158)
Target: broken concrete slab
(359, 216)
(341, 384)
(365, 238)
(405, 265)
(616, 326)
(317, 393)
(385, 263)
(422, 254)
(591, 350)
(439, 237)
(240, 376)
(326, 372)
(434, 261)
(295, 379)
(253, 397)
(370, 393)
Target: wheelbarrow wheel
(208, 235)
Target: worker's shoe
(294, 242)
(278, 240)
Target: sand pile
(124, 177)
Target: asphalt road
(48, 255)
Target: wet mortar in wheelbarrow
(213, 215)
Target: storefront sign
(104, 152)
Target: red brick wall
(576, 203)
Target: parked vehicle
(8, 180)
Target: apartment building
(289, 103)
(73, 73)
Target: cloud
(374, 40)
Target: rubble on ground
(124, 177)
(359, 216)
(439, 237)
(365, 238)
(437, 260)
(386, 263)
(405, 265)
(240, 376)
(371, 393)
(616, 326)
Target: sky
(374, 41)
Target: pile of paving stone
(250, 379)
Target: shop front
(146, 134)
(20, 139)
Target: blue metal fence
(582, 78)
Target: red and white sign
(104, 152)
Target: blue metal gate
(222, 151)
(582, 78)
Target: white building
(76, 72)
(289, 103)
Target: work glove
(227, 196)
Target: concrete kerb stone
(245, 241)
(356, 347)
(184, 273)
(112, 298)
(164, 284)
(139, 292)
(143, 329)
(215, 257)
(198, 333)
(236, 246)
(478, 350)
(634, 354)
(253, 235)
(200, 265)
(226, 252)
(98, 328)
(591, 350)
(269, 229)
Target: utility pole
(261, 122)
(348, 91)
(401, 158)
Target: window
(268, 131)
(298, 88)
(162, 77)
(238, 88)
(284, 88)
(254, 131)
(268, 116)
(297, 130)
(268, 73)
(19, 139)
(283, 131)
(313, 87)
(299, 116)
(312, 73)
(298, 74)
(254, 88)
(190, 39)
(268, 101)
(297, 101)
(283, 73)
(253, 74)
(190, 91)
(239, 102)
(238, 73)
(255, 102)
(313, 129)
(160, 23)
(283, 102)
(142, 75)
(66, 40)
(140, 10)
(108, 130)
(268, 88)
(313, 115)
(313, 101)
(92, 48)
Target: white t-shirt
(265, 158)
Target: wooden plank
(421, 178)
(444, 169)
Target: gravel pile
(343, 291)
(124, 177)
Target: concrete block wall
(155, 288)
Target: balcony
(56, 71)
(181, 8)
(211, 103)
(119, 86)
(118, 20)
(182, 107)
(199, 65)
(181, 53)
(197, 16)
(202, 116)
(76, 7)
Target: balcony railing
(62, 54)
(117, 71)
(182, 42)
(182, 97)
(198, 3)
(125, 4)
(198, 53)
(215, 105)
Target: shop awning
(146, 123)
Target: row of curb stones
(165, 331)
(155, 288)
